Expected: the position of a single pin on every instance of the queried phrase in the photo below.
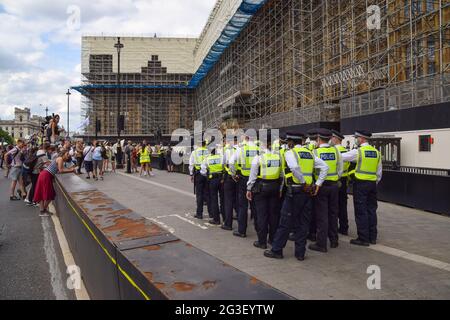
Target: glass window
(425, 143)
(430, 5)
(431, 68)
(416, 7)
(431, 48)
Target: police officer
(200, 181)
(229, 186)
(264, 187)
(367, 175)
(336, 141)
(212, 168)
(297, 206)
(311, 144)
(289, 144)
(312, 137)
(240, 165)
(326, 202)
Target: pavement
(31, 261)
(411, 259)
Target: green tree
(5, 137)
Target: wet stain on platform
(183, 286)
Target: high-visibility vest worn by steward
(199, 156)
(214, 164)
(342, 150)
(330, 155)
(367, 162)
(270, 166)
(248, 153)
(145, 156)
(305, 160)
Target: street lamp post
(68, 111)
(119, 159)
(118, 46)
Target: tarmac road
(31, 262)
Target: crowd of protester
(31, 164)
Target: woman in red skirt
(45, 192)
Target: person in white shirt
(200, 182)
(264, 188)
(326, 202)
(297, 206)
(229, 186)
(366, 176)
(88, 154)
(336, 141)
(239, 164)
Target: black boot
(274, 255)
(315, 247)
(240, 235)
(259, 245)
(359, 242)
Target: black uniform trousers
(201, 192)
(242, 204)
(214, 185)
(296, 217)
(267, 205)
(128, 162)
(229, 187)
(365, 202)
(222, 200)
(326, 206)
(312, 225)
(343, 214)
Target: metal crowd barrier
(122, 255)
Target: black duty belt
(265, 181)
(216, 175)
(329, 183)
(359, 180)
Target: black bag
(103, 153)
(31, 161)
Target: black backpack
(103, 153)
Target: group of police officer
(296, 188)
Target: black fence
(420, 188)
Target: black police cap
(294, 136)
(363, 133)
(337, 134)
(312, 133)
(324, 133)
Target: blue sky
(41, 58)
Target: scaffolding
(317, 61)
(151, 99)
(281, 63)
